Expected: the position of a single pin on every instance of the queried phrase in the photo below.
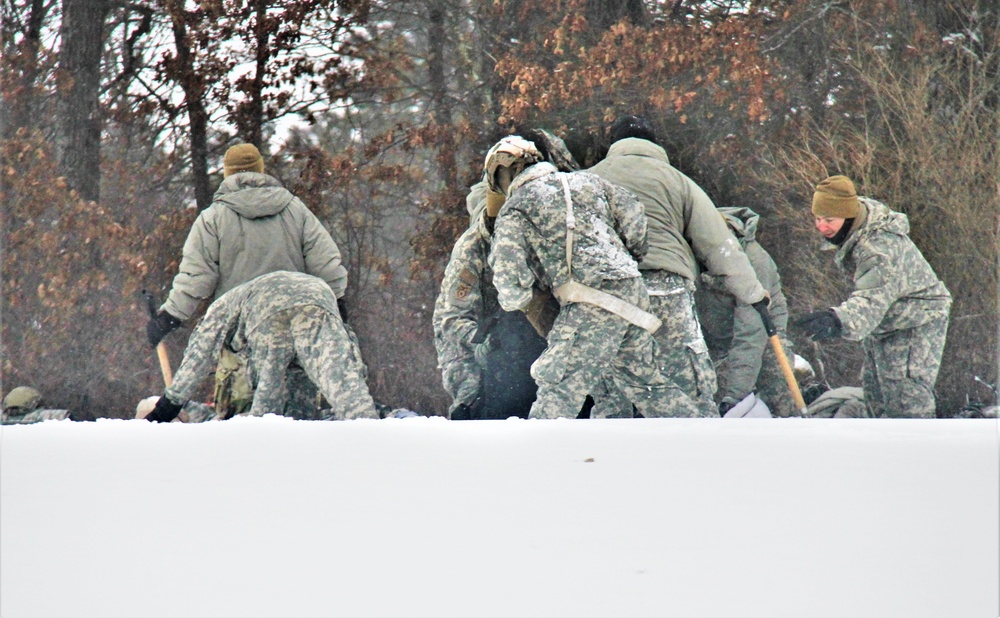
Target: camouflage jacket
(17, 416)
(239, 312)
(733, 330)
(529, 241)
(684, 226)
(466, 299)
(253, 227)
(894, 286)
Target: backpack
(233, 391)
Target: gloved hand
(726, 405)
(483, 350)
(342, 308)
(461, 413)
(765, 316)
(467, 412)
(821, 325)
(160, 326)
(164, 411)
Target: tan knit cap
(835, 197)
(242, 158)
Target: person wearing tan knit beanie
(254, 227)
(898, 310)
(242, 158)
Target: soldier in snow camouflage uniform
(466, 302)
(485, 353)
(684, 230)
(735, 334)
(898, 309)
(587, 343)
(272, 321)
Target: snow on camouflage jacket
(684, 226)
(253, 227)
(737, 330)
(529, 238)
(894, 286)
(467, 298)
(239, 312)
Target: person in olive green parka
(254, 227)
(684, 230)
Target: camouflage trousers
(321, 345)
(901, 368)
(588, 345)
(683, 352)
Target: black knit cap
(632, 126)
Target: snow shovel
(786, 368)
(161, 348)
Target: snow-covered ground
(426, 517)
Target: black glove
(160, 326)
(342, 308)
(765, 315)
(821, 325)
(164, 412)
(461, 413)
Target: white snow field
(426, 517)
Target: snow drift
(426, 517)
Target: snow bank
(425, 517)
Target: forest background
(115, 115)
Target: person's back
(578, 237)
(685, 230)
(253, 227)
(606, 239)
(275, 320)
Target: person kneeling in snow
(272, 321)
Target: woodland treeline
(115, 115)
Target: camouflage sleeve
(512, 276)
(35, 416)
(202, 350)
(457, 313)
(630, 220)
(321, 254)
(198, 274)
(878, 281)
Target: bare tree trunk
(23, 59)
(79, 122)
(437, 76)
(193, 85)
(250, 118)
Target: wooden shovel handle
(168, 374)
(786, 369)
